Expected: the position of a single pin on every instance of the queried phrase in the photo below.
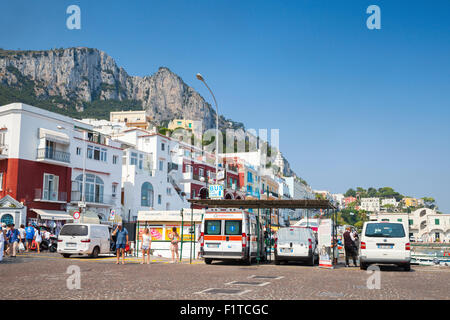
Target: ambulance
(231, 234)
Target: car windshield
(309, 224)
(385, 230)
(293, 235)
(74, 230)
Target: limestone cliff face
(86, 75)
(81, 75)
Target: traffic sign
(76, 215)
(82, 204)
(216, 191)
(112, 214)
(220, 175)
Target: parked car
(385, 243)
(412, 239)
(91, 239)
(296, 244)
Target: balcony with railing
(49, 195)
(3, 151)
(94, 198)
(53, 154)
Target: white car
(78, 238)
(296, 244)
(385, 243)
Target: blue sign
(216, 191)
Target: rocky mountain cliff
(85, 82)
(77, 77)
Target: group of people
(122, 244)
(12, 240)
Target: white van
(385, 243)
(230, 234)
(79, 238)
(296, 244)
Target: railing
(3, 149)
(192, 176)
(48, 195)
(52, 154)
(96, 198)
(171, 166)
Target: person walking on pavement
(29, 235)
(146, 244)
(38, 239)
(5, 243)
(22, 237)
(2, 241)
(13, 237)
(121, 234)
(349, 246)
(199, 242)
(174, 239)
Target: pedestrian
(349, 246)
(13, 237)
(121, 234)
(335, 248)
(5, 243)
(22, 237)
(29, 235)
(38, 239)
(2, 241)
(199, 241)
(146, 244)
(174, 239)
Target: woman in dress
(174, 239)
(146, 243)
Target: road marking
(237, 292)
(266, 277)
(248, 283)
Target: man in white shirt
(22, 233)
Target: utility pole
(182, 228)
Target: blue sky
(355, 107)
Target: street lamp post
(200, 77)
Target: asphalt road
(44, 276)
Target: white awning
(58, 137)
(52, 214)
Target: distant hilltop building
(424, 224)
(135, 119)
(370, 204)
(196, 126)
(390, 201)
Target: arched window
(7, 219)
(147, 195)
(94, 188)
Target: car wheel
(95, 252)
(363, 266)
(208, 261)
(407, 267)
(277, 262)
(66, 255)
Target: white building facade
(370, 204)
